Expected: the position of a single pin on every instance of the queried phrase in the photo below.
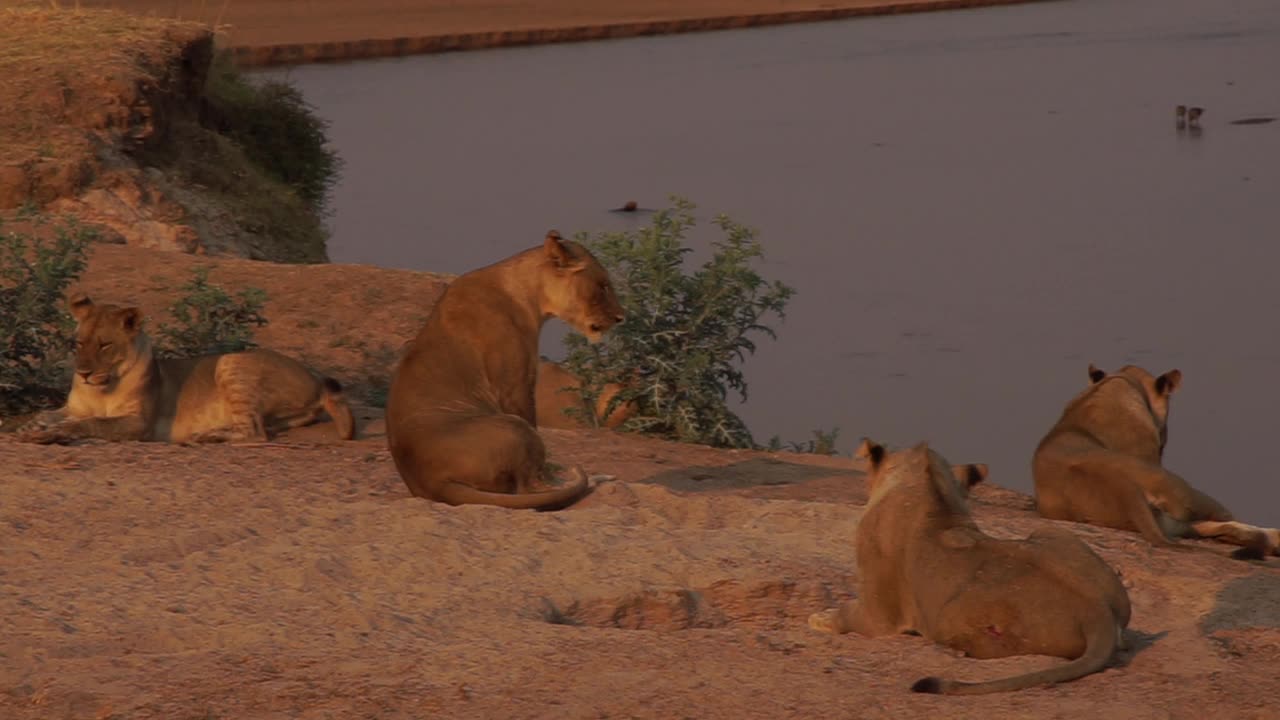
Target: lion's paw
(825, 621)
(39, 436)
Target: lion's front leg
(128, 427)
(849, 616)
(828, 621)
(44, 434)
(37, 429)
(44, 420)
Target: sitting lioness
(926, 567)
(461, 413)
(121, 391)
(1101, 464)
(557, 391)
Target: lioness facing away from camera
(461, 414)
(1101, 463)
(926, 567)
(122, 391)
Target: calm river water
(972, 205)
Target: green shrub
(275, 126)
(209, 320)
(270, 217)
(822, 443)
(679, 351)
(35, 327)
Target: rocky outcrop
(128, 207)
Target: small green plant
(378, 367)
(28, 210)
(822, 443)
(278, 130)
(209, 320)
(553, 614)
(375, 394)
(679, 352)
(35, 328)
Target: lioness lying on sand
(122, 391)
(926, 567)
(1101, 464)
(461, 412)
(557, 391)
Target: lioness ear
(1168, 382)
(1096, 375)
(871, 451)
(79, 304)
(130, 319)
(557, 252)
(971, 474)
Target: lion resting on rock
(557, 391)
(122, 391)
(1101, 464)
(926, 567)
(461, 412)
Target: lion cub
(926, 567)
(1101, 464)
(122, 391)
(461, 415)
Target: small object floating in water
(630, 207)
(1261, 120)
(1180, 113)
(1193, 116)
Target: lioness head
(1156, 389)
(576, 288)
(883, 466)
(108, 339)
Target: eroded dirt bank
(302, 581)
(104, 116)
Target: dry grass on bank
(63, 73)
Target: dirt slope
(302, 581)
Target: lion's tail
(456, 493)
(1101, 640)
(1255, 543)
(335, 403)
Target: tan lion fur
(925, 567)
(557, 391)
(1101, 464)
(461, 414)
(122, 391)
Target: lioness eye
(104, 345)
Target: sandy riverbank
(266, 32)
(301, 580)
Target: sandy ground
(275, 22)
(300, 580)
